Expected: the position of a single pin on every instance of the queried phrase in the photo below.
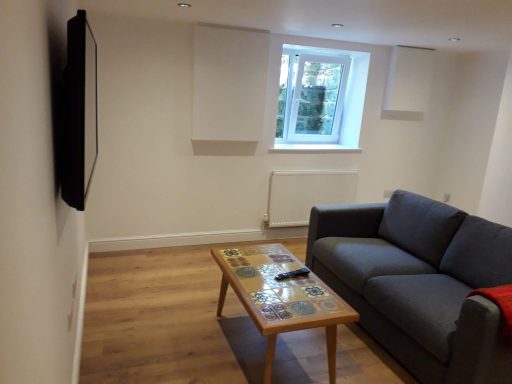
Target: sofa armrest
(481, 355)
(352, 220)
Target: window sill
(312, 148)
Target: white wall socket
(446, 197)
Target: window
(312, 97)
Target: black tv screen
(80, 131)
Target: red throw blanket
(502, 296)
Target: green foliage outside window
(320, 88)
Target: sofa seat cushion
(419, 225)
(425, 307)
(355, 260)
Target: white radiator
(293, 193)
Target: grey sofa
(407, 267)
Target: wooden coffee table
(281, 306)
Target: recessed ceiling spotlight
(454, 39)
(337, 25)
(184, 5)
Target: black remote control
(297, 272)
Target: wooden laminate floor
(150, 318)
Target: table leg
(330, 338)
(222, 295)
(269, 361)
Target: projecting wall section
(496, 199)
(408, 84)
(230, 66)
(466, 142)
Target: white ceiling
(481, 24)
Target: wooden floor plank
(150, 318)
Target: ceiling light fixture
(337, 25)
(454, 39)
(184, 5)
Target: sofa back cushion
(480, 254)
(421, 226)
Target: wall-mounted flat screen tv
(80, 131)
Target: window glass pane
(320, 91)
(281, 101)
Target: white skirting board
(75, 373)
(292, 194)
(194, 238)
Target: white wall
(404, 154)
(496, 199)
(467, 140)
(150, 178)
(42, 242)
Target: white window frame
(293, 97)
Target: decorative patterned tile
(235, 262)
(254, 284)
(272, 248)
(268, 313)
(304, 280)
(253, 251)
(245, 272)
(230, 252)
(269, 270)
(273, 312)
(291, 266)
(302, 308)
(285, 315)
(273, 283)
(264, 297)
(314, 291)
(328, 305)
(290, 294)
(258, 259)
(280, 258)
